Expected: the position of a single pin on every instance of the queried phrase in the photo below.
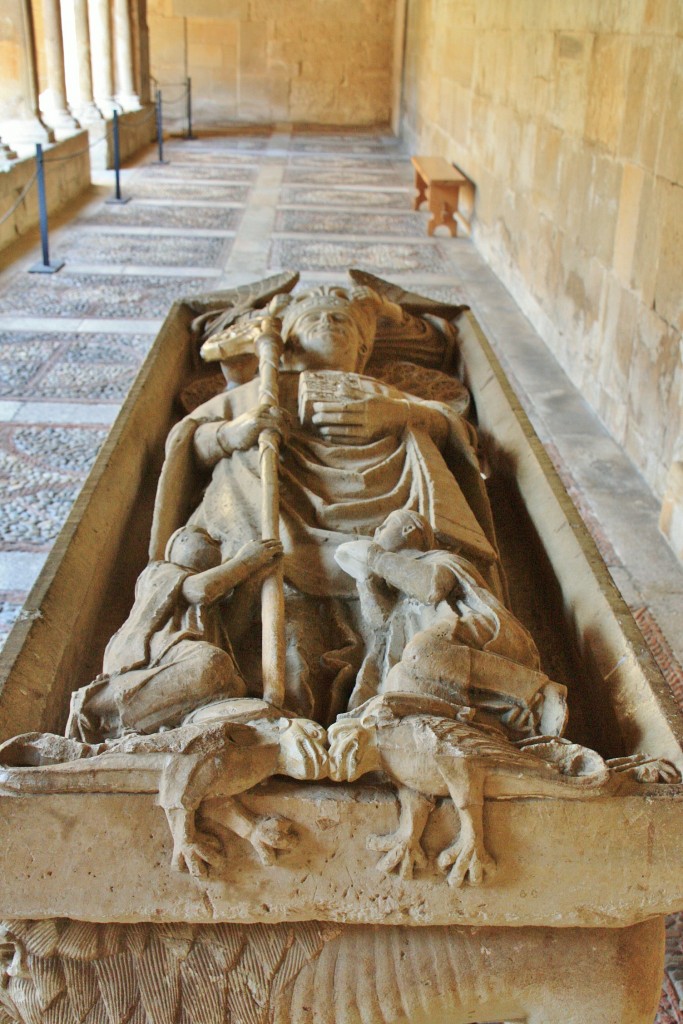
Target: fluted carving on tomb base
(316, 973)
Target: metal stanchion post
(160, 130)
(189, 110)
(45, 267)
(117, 199)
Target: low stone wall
(67, 175)
(137, 128)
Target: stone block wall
(567, 114)
(137, 129)
(67, 175)
(317, 61)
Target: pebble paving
(163, 251)
(97, 295)
(42, 469)
(377, 257)
(329, 185)
(347, 198)
(177, 216)
(339, 222)
(227, 169)
(356, 176)
(141, 188)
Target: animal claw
(406, 855)
(470, 862)
(198, 854)
(271, 834)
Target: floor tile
(377, 257)
(69, 294)
(158, 216)
(327, 221)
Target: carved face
(327, 337)
(403, 530)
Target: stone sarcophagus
(324, 708)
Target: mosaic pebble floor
(71, 343)
(149, 188)
(149, 215)
(97, 295)
(164, 251)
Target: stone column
(7, 155)
(87, 110)
(125, 84)
(58, 115)
(102, 55)
(27, 127)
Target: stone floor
(229, 209)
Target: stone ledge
(67, 175)
(137, 130)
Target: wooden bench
(440, 183)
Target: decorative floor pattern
(139, 188)
(339, 222)
(99, 295)
(227, 170)
(72, 367)
(162, 251)
(377, 257)
(661, 651)
(148, 215)
(219, 159)
(330, 176)
(399, 200)
(375, 165)
(42, 469)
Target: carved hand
(257, 554)
(242, 433)
(361, 421)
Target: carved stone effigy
(368, 737)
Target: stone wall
(318, 61)
(67, 175)
(567, 115)
(137, 129)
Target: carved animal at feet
(222, 750)
(431, 749)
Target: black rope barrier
(117, 199)
(50, 267)
(72, 156)
(160, 128)
(142, 120)
(46, 267)
(189, 110)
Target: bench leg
(442, 206)
(421, 187)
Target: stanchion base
(189, 137)
(161, 161)
(46, 268)
(117, 202)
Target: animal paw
(468, 861)
(197, 854)
(303, 751)
(271, 834)
(349, 740)
(406, 855)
